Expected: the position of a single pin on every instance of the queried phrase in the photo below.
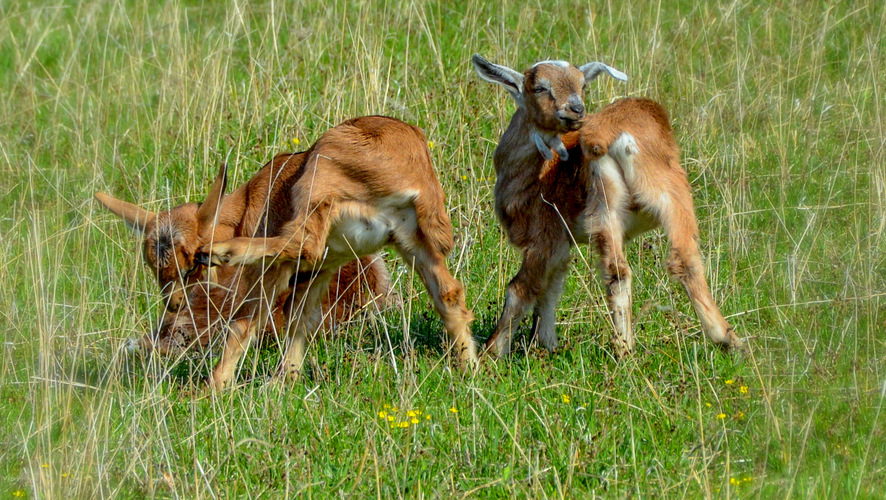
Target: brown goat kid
(171, 239)
(214, 305)
(603, 178)
(368, 183)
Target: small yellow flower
(411, 413)
(743, 389)
(464, 177)
(382, 414)
(427, 417)
(453, 410)
(295, 141)
(721, 416)
(730, 382)
(390, 418)
(413, 420)
(403, 425)
(734, 482)
(739, 414)
(566, 398)
(387, 407)
(18, 493)
(747, 480)
(65, 474)
(708, 405)
(45, 466)
(430, 144)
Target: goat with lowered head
(603, 178)
(260, 206)
(366, 184)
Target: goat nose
(577, 108)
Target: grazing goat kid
(601, 178)
(258, 207)
(212, 306)
(368, 183)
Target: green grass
(779, 110)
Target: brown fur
(622, 176)
(213, 305)
(258, 207)
(368, 183)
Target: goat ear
(506, 77)
(136, 217)
(593, 70)
(209, 208)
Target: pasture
(780, 112)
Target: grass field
(780, 113)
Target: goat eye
(190, 271)
(539, 90)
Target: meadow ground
(779, 110)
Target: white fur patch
(561, 64)
(623, 151)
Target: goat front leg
(305, 315)
(239, 337)
(522, 295)
(545, 321)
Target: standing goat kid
(603, 178)
(367, 183)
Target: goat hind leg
(617, 278)
(686, 266)
(448, 296)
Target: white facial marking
(561, 64)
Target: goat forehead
(564, 78)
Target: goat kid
(603, 178)
(368, 183)
(213, 305)
(260, 206)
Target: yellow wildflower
(411, 413)
(295, 141)
(566, 398)
(739, 414)
(403, 424)
(390, 418)
(743, 389)
(18, 493)
(427, 417)
(734, 482)
(708, 405)
(453, 410)
(464, 177)
(730, 382)
(413, 420)
(430, 144)
(721, 416)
